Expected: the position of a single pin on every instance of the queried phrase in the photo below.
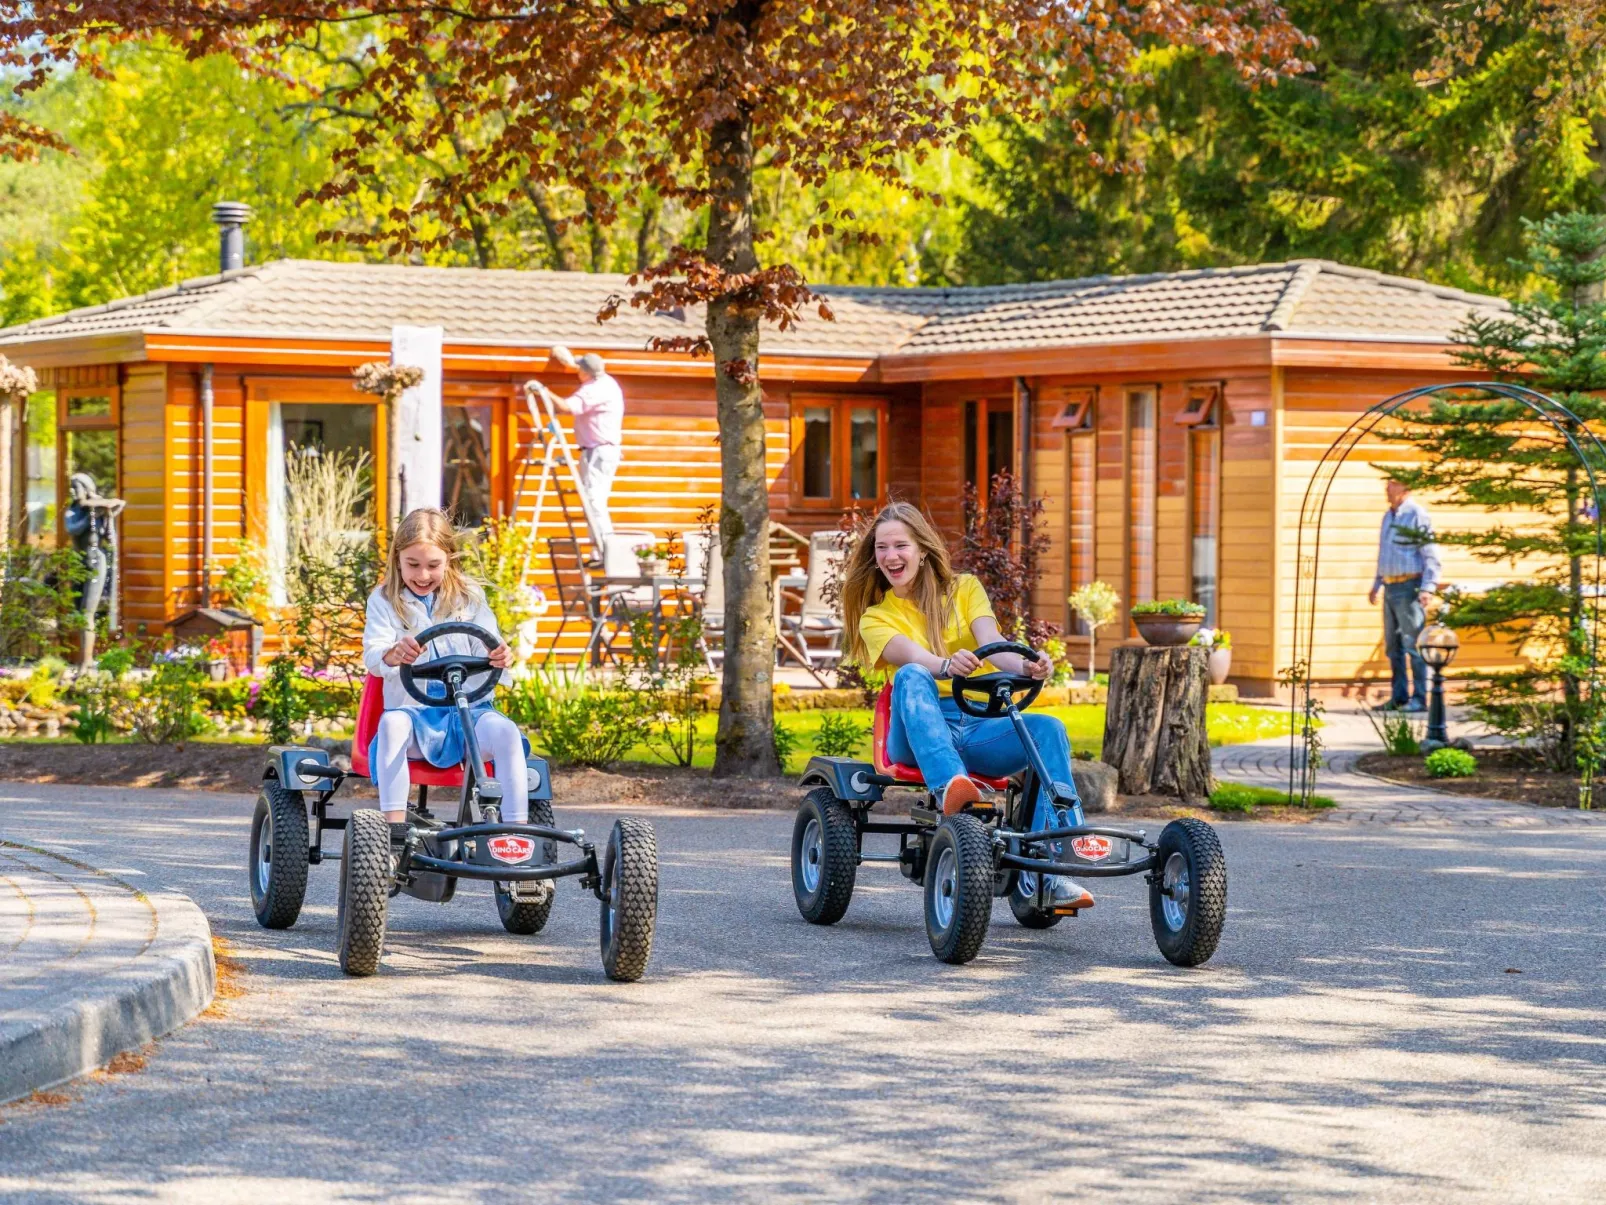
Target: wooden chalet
(1171, 420)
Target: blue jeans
(1403, 619)
(930, 731)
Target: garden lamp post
(1438, 645)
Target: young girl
(904, 607)
(422, 587)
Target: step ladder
(559, 473)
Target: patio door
(474, 451)
(989, 442)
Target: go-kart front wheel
(278, 862)
(1188, 893)
(629, 898)
(525, 917)
(959, 889)
(366, 872)
(825, 857)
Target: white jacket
(384, 628)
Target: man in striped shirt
(1407, 576)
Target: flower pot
(218, 668)
(654, 568)
(1220, 665)
(1167, 631)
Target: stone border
(167, 985)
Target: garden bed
(1507, 774)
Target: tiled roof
(353, 300)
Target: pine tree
(1500, 457)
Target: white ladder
(560, 469)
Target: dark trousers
(1403, 619)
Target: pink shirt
(598, 407)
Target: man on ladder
(598, 407)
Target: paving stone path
(1365, 799)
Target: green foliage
(44, 681)
(666, 664)
(116, 661)
(839, 735)
(282, 702)
(1400, 732)
(1064, 672)
(165, 709)
(786, 746)
(537, 691)
(593, 728)
(1179, 607)
(243, 584)
(1236, 797)
(38, 604)
(1496, 456)
(1451, 763)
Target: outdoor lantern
(1438, 645)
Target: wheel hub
(813, 852)
(947, 886)
(1176, 892)
(265, 855)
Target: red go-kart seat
(420, 772)
(896, 770)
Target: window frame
(1078, 422)
(1212, 406)
(111, 421)
(1129, 486)
(842, 406)
(503, 440)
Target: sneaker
(960, 793)
(1069, 895)
(1414, 707)
(1391, 705)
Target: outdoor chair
(816, 620)
(579, 594)
(710, 564)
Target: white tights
(499, 739)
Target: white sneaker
(1068, 895)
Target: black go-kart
(426, 857)
(988, 850)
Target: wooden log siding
(149, 484)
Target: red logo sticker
(511, 849)
(1092, 849)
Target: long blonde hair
(864, 585)
(455, 595)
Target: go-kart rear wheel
(629, 898)
(1023, 903)
(825, 857)
(1188, 897)
(959, 889)
(528, 916)
(278, 863)
(366, 872)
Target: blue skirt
(438, 735)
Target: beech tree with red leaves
(684, 98)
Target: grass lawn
(1228, 724)
(1235, 797)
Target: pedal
(1064, 911)
(530, 892)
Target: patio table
(663, 586)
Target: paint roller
(563, 356)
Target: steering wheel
(998, 688)
(453, 670)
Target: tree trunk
(745, 744)
(1154, 722)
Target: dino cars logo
(511, 849)
(1091, 849)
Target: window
(837, 451)
(86, 441)
(39, 457)
(1204, 494)
(1076, 420)
(1142, 447)
(466, 474)
(989, 441)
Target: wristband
(943, 671)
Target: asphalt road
(1357, 1036)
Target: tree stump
(1154, 722)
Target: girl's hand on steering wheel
(404, 652)
(1038, 668)
(963, 663)
(502, 656)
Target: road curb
(170, 981)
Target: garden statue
(90, 522)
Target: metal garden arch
(1304, 744)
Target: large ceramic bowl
(1167, 631)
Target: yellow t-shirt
(893, 616)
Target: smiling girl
(904, 608)
(422, 587)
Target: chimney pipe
(231, 217)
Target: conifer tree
(1534, 481)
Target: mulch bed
(1502, 774)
